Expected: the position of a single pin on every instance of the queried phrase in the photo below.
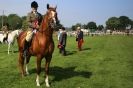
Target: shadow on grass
(70, 53)
(73, 52)
(15, 51)
(60, 73)
(86, 49)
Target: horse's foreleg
(38, 70)
(21, 64)
(26, 67)
(47, 71)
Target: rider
(5, 29)
(34, 19)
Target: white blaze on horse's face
(53, 16)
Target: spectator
(62, 41)
(59, 32)
(5, 30)
(79, 38)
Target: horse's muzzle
(57, 22)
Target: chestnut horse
(42, 44)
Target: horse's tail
(20, 41)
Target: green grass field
(105, 62)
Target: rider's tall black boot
(25, 50)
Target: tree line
(113, 23)
(17, 22)
(14, 21)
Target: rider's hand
(37, 27)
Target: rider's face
(34, 9)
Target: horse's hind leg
(48, 60)
(21, 64)
(12, 47)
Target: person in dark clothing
(5, 30)
(79, 38)
(62, 41)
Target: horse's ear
(47, 6)
(55, 7)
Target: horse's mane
(43, 25)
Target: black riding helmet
(34, 4)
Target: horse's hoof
(23, 75)
(47, 85)
(38, 84)
(27, 73)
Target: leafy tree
(113, 23)
(92, 26)
(85, 26)
(100, 27)
(131, 23)
(24, 18)
(78, 25)
(24, 25)
(15, 21)
(24, 22)
(124, 22)
(75, 26)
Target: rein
(41, 31)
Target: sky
(71, 12)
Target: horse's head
(52, 16)
(16, 32)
